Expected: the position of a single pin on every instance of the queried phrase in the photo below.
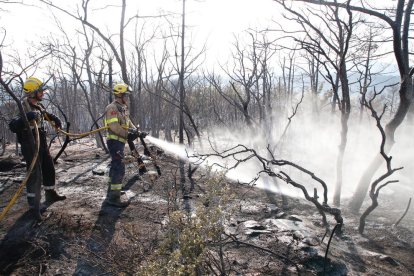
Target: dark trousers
(44, 169)
(117, 170)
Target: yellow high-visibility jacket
(118, 121)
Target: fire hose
(141, 165)
(131, 145)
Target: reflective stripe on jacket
(117, 119)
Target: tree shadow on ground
(99, 240)
(131, 182)
(20, 241)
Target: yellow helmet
(121, 88)
(32, 84)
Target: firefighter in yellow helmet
(120, 130)
(44, 170)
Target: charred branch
(240, 154)
(376, 185)
(406, 211)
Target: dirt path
(84, 236)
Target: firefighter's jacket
(118, 121)
(18, 125)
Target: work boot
(114, 199)
(34, 211)
(52, 196)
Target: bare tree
(249, 80)
(117, 50)
(332, 42)
(398, 18)
(314, 72)
(366, 77)
(139, 72)
(375, 186)
(288, 74)
(78, 64)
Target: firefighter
(34, 91)
(120, 130)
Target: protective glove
(32, 115)
(58, 123)
(55, 119)
(143, 134)
(132, 134)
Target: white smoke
(311, 142)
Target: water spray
(243, 173)
(179, 150)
